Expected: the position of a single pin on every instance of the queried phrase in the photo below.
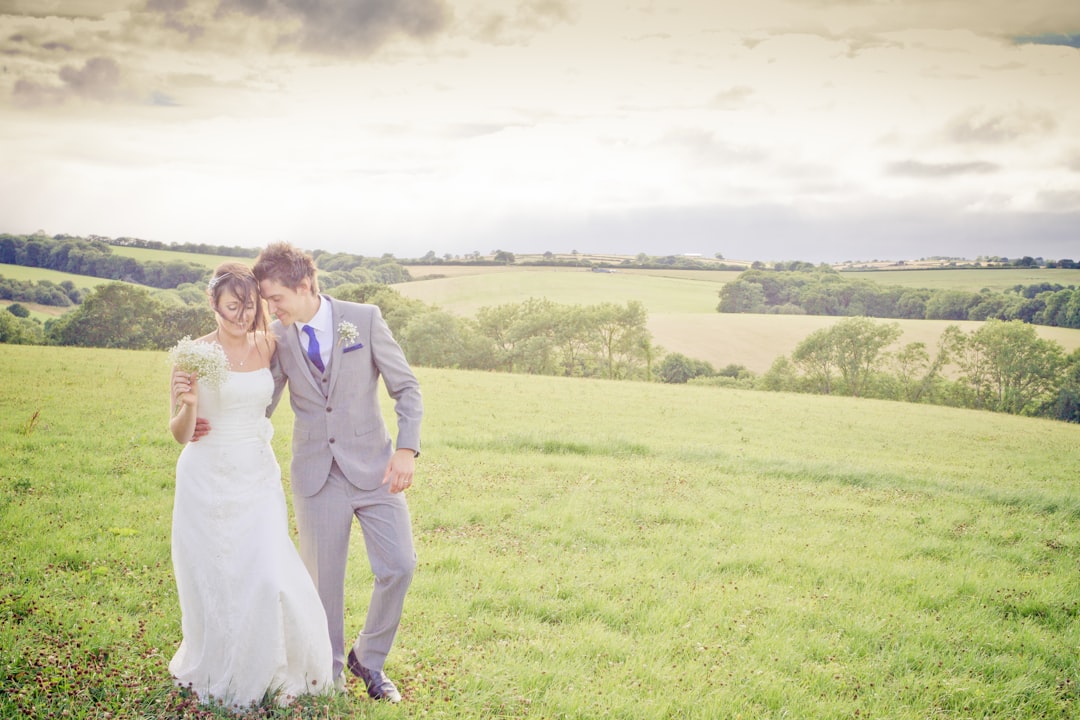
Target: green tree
(782, 376)
(1007, 367)
(858, 344)
(950, 304)
(180, 320)
(523, 334)
(115, 315)
(622, 338)
(678, 368)
(439, 339)
(916, 373)
(17, 331)
(740, 296)
(816, 358)
(1066, 406)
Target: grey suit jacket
(338, 416)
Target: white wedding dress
(251, 617)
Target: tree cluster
(823, 291)
(336, 269)
(536, 336)
(1003, 366)
(197, 248)
(120, 315)
(42, 292)
(96, 259)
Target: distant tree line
(537, 336)
(42, 292)
(1002, 366)
(550, 259)
(821, 290)
(198, 248)
(96, 259)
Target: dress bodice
(237, 408)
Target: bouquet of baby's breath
(206, 360)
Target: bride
(253, 626)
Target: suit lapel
(335, 348)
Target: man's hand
(202, 426)
(399, 471)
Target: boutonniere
(348, 335)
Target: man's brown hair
(284, 264)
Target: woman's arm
(183, 405)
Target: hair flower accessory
(347, 333)
(206, 360)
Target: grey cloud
(884, 229)
(100, 79)
(917, 169)
(166, 6)
(1066, 39)
(344, 26)
(975, 127)
(65, 9)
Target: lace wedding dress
(251, 617)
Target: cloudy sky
(822, 130)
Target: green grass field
(587, 549)
(147, 254)
(23, 273)
(464, 294)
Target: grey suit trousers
(325, 523)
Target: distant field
(973, 280)
(420, 272)
(19, 272)
(465, 294)
(145, 254)
(756, 340)
(682, 305)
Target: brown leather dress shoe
(378, 685)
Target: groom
(332, 353)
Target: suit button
(331, 441)
(329, 409)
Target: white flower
(206, 360)
(347, 333)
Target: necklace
(228, 355)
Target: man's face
(289, 305)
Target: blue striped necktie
(313, 349)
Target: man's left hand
(399, 471)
